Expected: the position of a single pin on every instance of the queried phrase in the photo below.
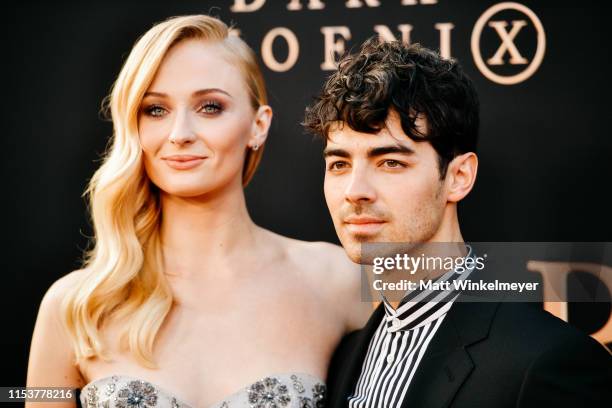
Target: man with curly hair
(400, 125)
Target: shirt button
(390, 358)
(395, 322)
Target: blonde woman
(183, 301)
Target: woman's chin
(188, 191)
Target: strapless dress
(288, 390)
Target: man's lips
(358, 220)
(363, 225)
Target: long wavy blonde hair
(123, 269)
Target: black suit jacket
(491, 355)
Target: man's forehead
(342, 136)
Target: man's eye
(337, 165)
(155, 111)
(393, 164)
(211, 107)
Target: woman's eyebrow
(199, 92)
(210, 90)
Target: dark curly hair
(410, 79)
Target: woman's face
(196, 121)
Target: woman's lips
(183, 162)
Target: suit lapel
(446, 363)
(356, 356)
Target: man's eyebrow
(336, 152)
(382, 150)
(199, 92)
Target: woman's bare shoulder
(60, 288)
(50, 309)
(52, 360)
(337, 278)
(320, 258)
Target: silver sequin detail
(268, 393)
(137, 394)
(111, 386)
(297, 384)
(305, 402)
(174, 403)
(318, 395)
(92, 397)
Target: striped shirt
(399, 342)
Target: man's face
(382, 187)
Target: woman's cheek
(228, 136)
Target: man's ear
(261, 125)
(460, 176)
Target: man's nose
(182, 131)
(360, 189)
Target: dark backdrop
(544, 152)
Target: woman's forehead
(196, 64)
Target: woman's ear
(261, 125)
(461, 175)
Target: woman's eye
(211, 107)
(155, 111)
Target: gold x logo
(508, 45)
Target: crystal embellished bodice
(289, 390)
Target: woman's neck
(202, 233)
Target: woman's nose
(182, 131)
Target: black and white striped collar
(422, 306)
